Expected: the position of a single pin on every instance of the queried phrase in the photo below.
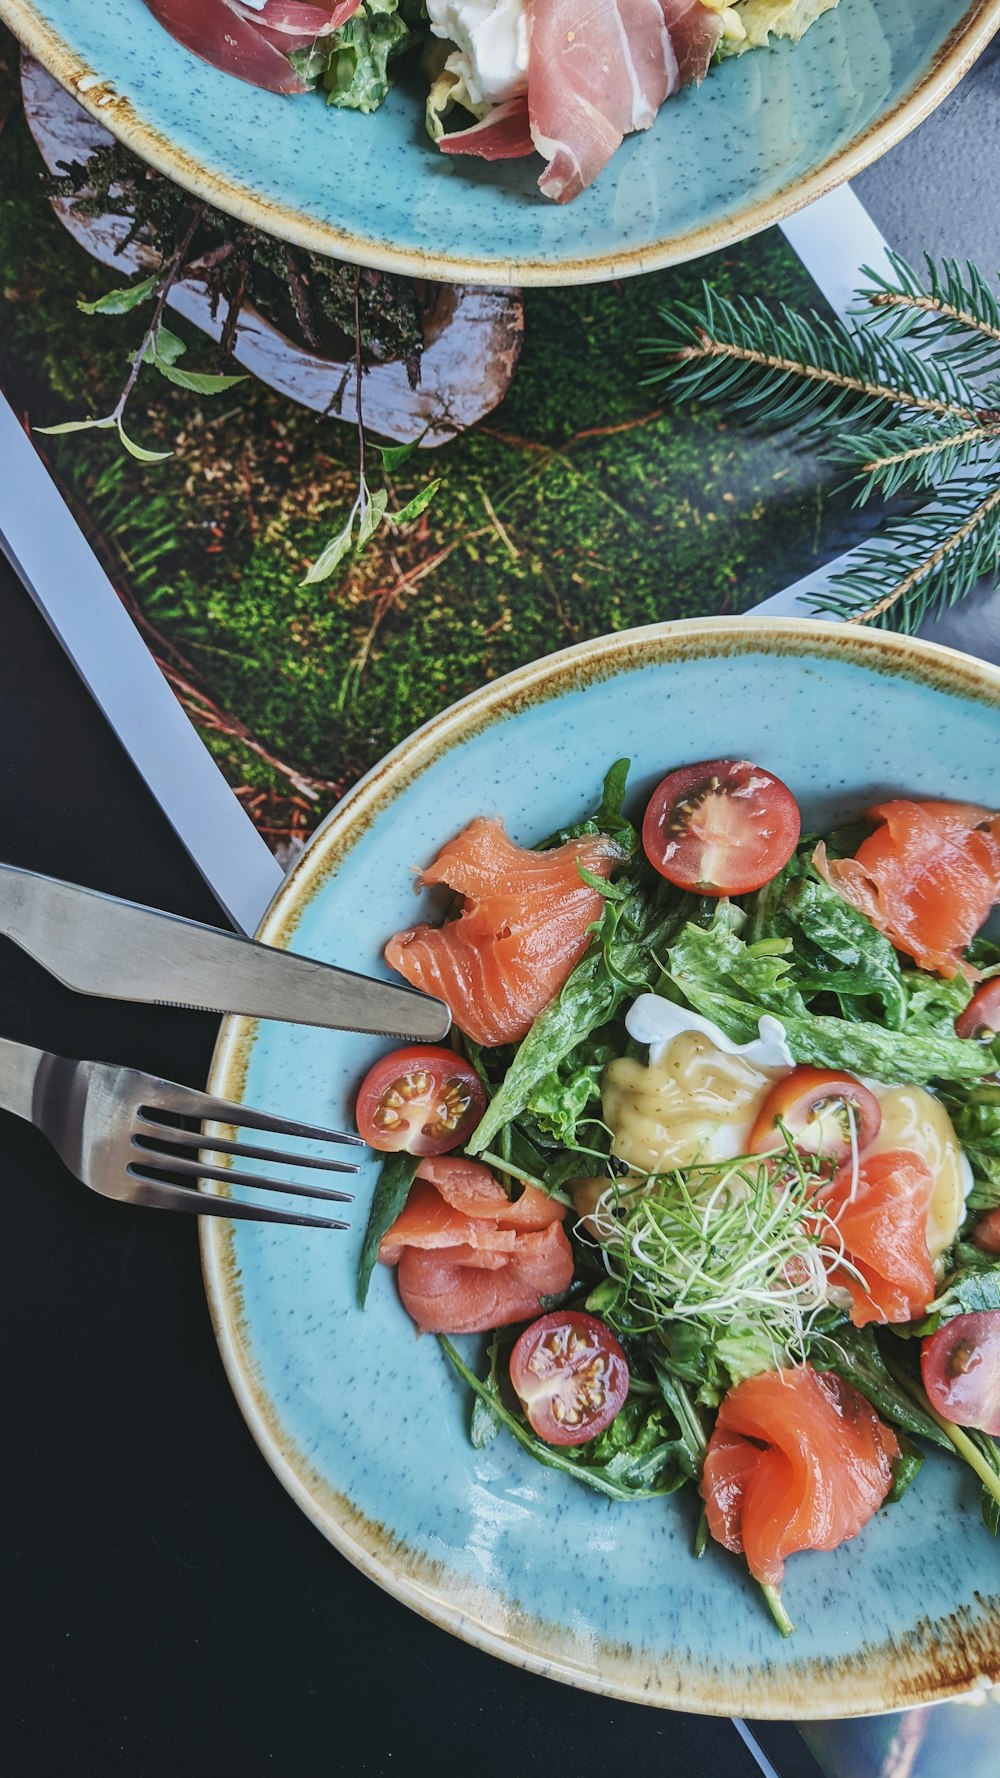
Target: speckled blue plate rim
(120, 115)
(938, 1659)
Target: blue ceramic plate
(764, 135)
(366, 1424)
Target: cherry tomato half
(986, 1233)
(981, 1017)
(425, 1101)
(961, 1370)
(812, 1104)
(723, 827)
(570, 1376)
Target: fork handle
(19, 1065)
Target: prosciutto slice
(694, 32)
(594, 75)
(503, 134)
(253, 45)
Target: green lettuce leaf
(735, 983)
(357, 57)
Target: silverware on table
(118, 1130)
(98, 944)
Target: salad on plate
(519, 77)
(714, 1161)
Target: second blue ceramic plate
(762, 136)
(366, 1424)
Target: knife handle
(19, 1065)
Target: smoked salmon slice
(798, 1460)
(469, 1258)
(523, 925)
(883, 1226)
(446, 1295)
(927, 877)
(470, 1187)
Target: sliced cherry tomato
(981, 1017)
(986, 1233)
(425, 1101)
(812, 1104)
(570, 1376)
(961, 1370)
(723, 827)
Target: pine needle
(907, 401)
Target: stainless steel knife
(98, 944)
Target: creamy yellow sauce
(698, 1104)
(914, 1119)
(694, 1104)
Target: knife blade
(119, 950)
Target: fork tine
(161, 1133)
(153, 1161)
(166, 1095)
(159, 1194)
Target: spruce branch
(799, 369)
(907, 401)
(957, 302)
(915, 455)
(921, 565)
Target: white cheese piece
(491, 45)
(656, 1021)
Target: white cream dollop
(656, 1021)
(491, 45)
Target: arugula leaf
(976, 1117)
(390, 1194)
(608, 817)
(638, 1461)
(618, 965)
(854, 1354)
(905, 1470)
(973, 1285)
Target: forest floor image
(581, 505)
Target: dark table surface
(170, 1613)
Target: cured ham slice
(468, 1257)
(594, 75)
(927, 877)
(524, 924)
(252, 45)
(503, 134)
(695, 31)
(798, 1460)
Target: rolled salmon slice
(446, 1294)
(798, 1460)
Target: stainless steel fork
(118, 1130)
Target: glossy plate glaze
(765, 134)
(366, 1424)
